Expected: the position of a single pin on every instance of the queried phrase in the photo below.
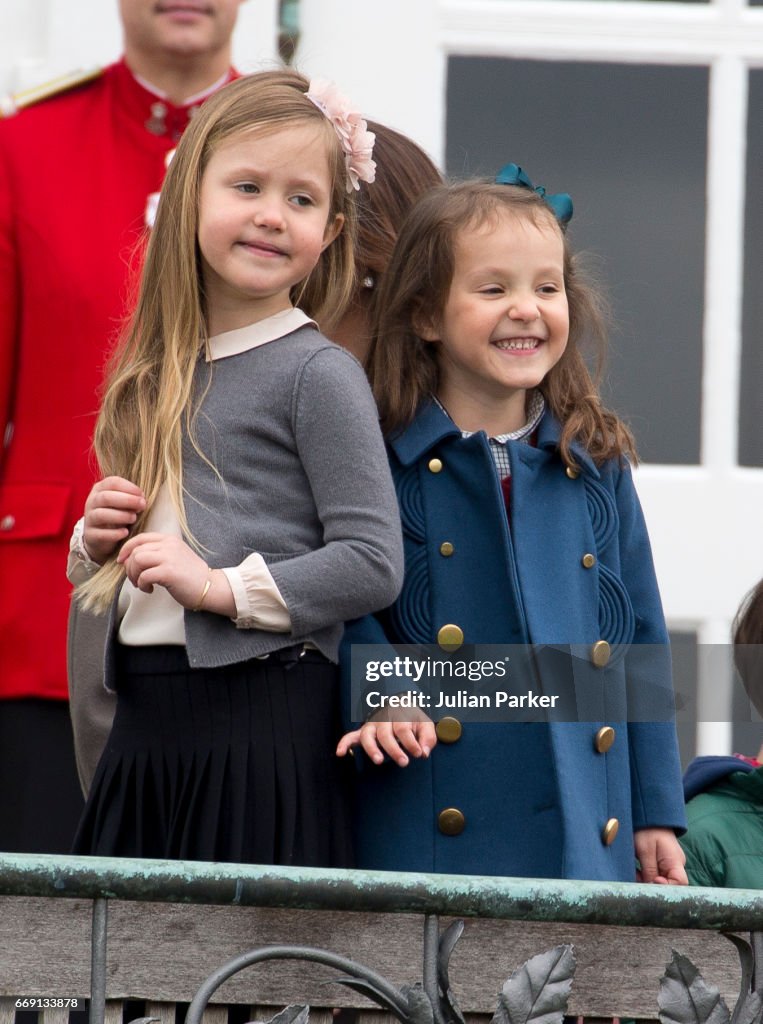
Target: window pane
(628, 142)
(751, 397)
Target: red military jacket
(76, 172)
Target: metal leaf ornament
(749, 1007)
(294, 1014)
(370, 991)
(419, 1007)
(537, 992)
(686, 998)
(448, 941)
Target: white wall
(385, 56)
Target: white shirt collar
(535, 409)
(196, 98)
(232, 343)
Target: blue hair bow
(560, 202)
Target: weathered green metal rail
(384, 892)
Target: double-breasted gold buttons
(451, 821)
(446, 549)
(450, 637)
(588, 560)
(609, 832)
(572, 472)
(600, 653)
(435, 465)
(604, 739)
(449, 729)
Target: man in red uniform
(77, 173)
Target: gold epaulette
(13, 103)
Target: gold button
(448, 729)
(604, 739)
(446, 549)
(572, 472)
(600, 653)
(7, 522)
(450, 637)
(609, 832)
(589, 561)
(435, 465)
(451, 821)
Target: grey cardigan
(295, 469)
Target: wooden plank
(164, 952)
(54, 1015)
(164, 1012)
(375, 1017)
(113, 1011)
(215, 1015)
(392, 944)
(45, 947)
(320, 1015)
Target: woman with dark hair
(403, 173)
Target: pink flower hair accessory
(357, 142)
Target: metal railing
(505, 899)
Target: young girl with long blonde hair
(246, 508)
(521, 527)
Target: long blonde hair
(403, 368)
(149, 400)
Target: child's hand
(660, 856)
(111, 509)
(165, 560)
(417, 736)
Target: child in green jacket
(724, 841)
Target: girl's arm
(359, 567)
(413, 736)
(245, 593)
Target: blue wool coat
(536, 799)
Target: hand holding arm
(660, 856)
(165, 560)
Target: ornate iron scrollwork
(537, 991)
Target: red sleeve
(9, 289)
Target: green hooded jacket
(724, 839)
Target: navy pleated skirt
(228, 764)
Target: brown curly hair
(403, 368)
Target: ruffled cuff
(80, 566)
(259, 604)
